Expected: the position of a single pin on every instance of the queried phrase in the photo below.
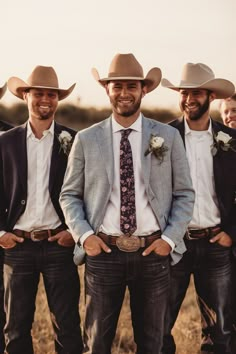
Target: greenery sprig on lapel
(157, 147)
(65, 140)
(222, 141)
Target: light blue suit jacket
(89, 180)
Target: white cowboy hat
(41, 77)
(126, 67)
(201, 76)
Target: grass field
(186, 331)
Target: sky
(74, 35)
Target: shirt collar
(137, 125)
(188, 130)
(46, 132)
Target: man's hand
(63, 238)
(223, 239)
(9, 240)
(94, 245)
(159, 246)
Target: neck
(39, 126)
(126, 121)
(200, 124)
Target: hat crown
(43, 76)
(125, 65)
(196, 74)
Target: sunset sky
(73, 36)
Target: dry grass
(186, 331)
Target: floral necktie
(127, 189)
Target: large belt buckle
(33, 235)
(189, 237)
(127, 243)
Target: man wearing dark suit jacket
(3, 127)
(33, 159)
(212, 159)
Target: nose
(189, 97)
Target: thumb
(215, 238)
(18, 239)
(148, 250)
(53, 238)
(104, 247)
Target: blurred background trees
(78, 117)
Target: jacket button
(22, 202)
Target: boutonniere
(157, 147)
(222, 141)
(65, 140)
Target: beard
(126, 111)
(199, 112)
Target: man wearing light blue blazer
(127, 199)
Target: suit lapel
(21, 154)
(147, 130)
(105, 143)
(55, 156)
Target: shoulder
(221, 127)
(60, 128)
(157, 126)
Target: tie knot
(125, 133)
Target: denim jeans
(106, 278)
(211, 267)
(2, 313)
(22, 267)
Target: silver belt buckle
(188, 237)
(127, 243)
(33, 236)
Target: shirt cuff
(85, 236)
(169, 241)
(2, 233)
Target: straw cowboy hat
(3, 90)
(126, 67)
(201, 76)
(41, 77)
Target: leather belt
(142, 241)
(197, 234)
(38, 235)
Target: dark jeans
(22, 267)
(106, 278)
(2, 313)
(211, 267)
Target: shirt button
(22, 202)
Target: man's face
(228, 113)
(42, 103)
(125, 96)
(194, 103)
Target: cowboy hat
(43, 77)
(3, 90)
(201, 76)
(126, 67)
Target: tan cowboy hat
(201, 76)
(41, 77)
(126, 67)
(3, 90)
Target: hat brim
(18, 87)
(3, 90)
(221, 87)
(151, 81)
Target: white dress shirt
(39, 212)
(198, 147)
(146, 220)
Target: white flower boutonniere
(157, 147)
(65, 139)
(224, 142)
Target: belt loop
(49, 233)
(142, 242)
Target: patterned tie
(127, 189)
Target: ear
(212, 96)
(144, 91)
(25, 96)
(106, 86)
